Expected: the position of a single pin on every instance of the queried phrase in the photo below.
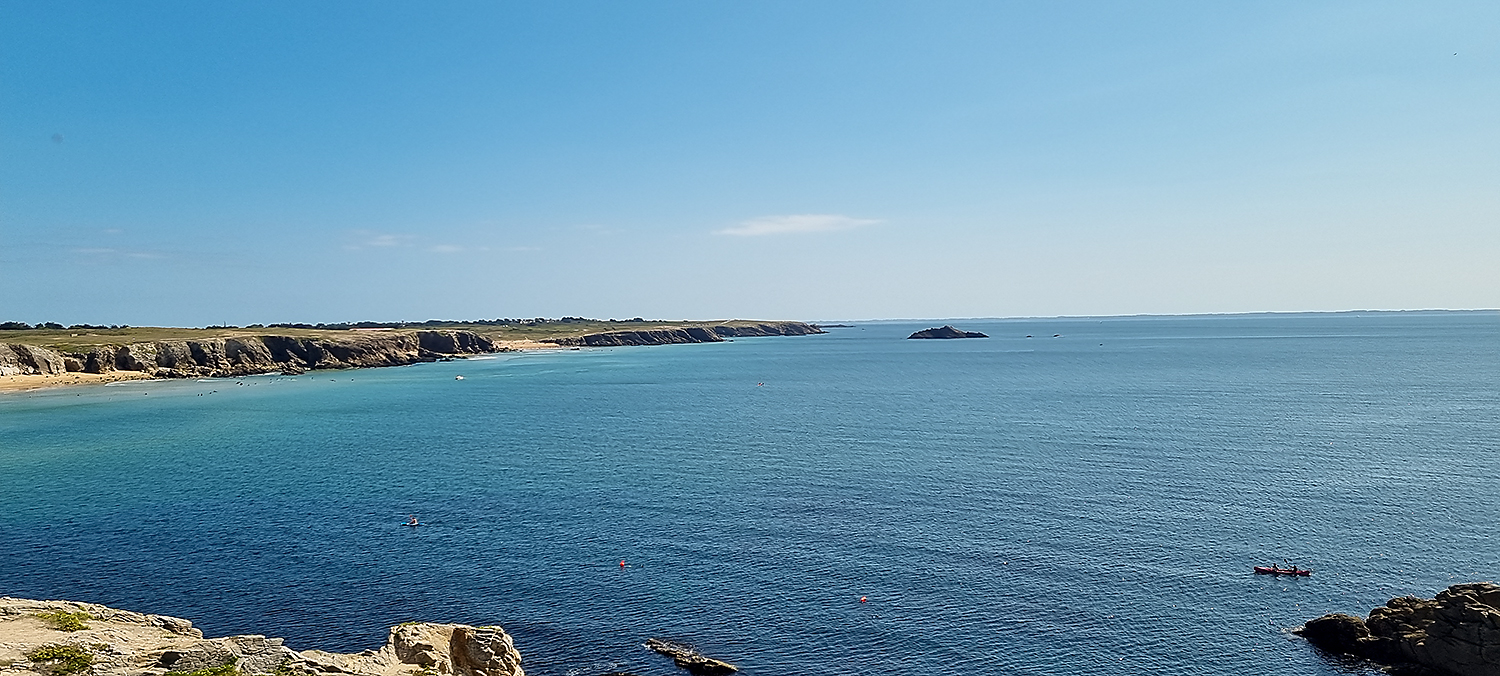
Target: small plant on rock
(61, 659)
(63, 620)
(222, 670)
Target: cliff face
(21, 360)
(221, 357)
(693, 334)
(122, 643)
(1457, 633)
(249, 355)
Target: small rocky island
(1455, 634)
(946, 332)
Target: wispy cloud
(370, 240)
(367, 239)
(117, 253)
(794, 224)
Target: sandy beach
(37, 382)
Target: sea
(1068, 496)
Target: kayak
(1273, 570)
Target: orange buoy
(622, 563)
(861, 599)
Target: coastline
(33, 382)
(28, 367)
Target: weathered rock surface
(946, 332)
(249, 355)
(1455, 634)
(689, 658)
(124, 643)
(21, 360)
(691, 334)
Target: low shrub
(221, 670)
(62, 660)
(63, 620)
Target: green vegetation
(63, 620)
(62, 660)
(222, 670)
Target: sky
(193, 163)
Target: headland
(54, 356)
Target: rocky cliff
(691, 334)
(20, 360)
(248, 355)
(1455, 634)
(63, 638)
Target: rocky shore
(247, 355)
(256, 354)
(64, 638)
(691, 334)
(1457, 633)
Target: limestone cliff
(104, 641)
(221, 357)
(1455, 634)
(691, 334)
(20, 360)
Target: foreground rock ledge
(1455, 634)
(126, 643)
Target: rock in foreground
(946, 332)
(1457, 633)
(688, 658)
(103, 641)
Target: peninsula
(52, 355)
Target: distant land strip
(33, 357)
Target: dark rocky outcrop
(689, 334)
(687, 657)
(946, 332)
(1455, 634)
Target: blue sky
(191, 163)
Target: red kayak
(1273, 570)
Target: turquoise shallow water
(1084, 504)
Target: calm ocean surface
(1088, 504)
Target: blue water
(1087, 504)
